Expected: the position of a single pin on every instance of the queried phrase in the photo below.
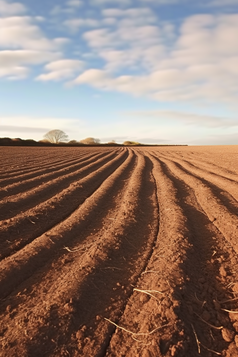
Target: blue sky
(153, 71)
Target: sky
(152, 71)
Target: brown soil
(119, 251)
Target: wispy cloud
(24, 44)
(61, 70)
(130, 2)
(215, 139)
(37, 125)
(68, 9)
(22, 32)
(185, 118)
(74, 3)
(76, 23)
(221, 3)
(22, 129)
(14, 63)
(9, 9)
(145, 13)
(162, 2)
(111, 2)
(198, 65)
(127, 46)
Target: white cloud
(39, 18)
(8, 9)
(130, 17)
(60, 10)
(14, 64)
(21, 129)
(222, 3)
(75, 24)
(113, 12)
(24, 44)
(146, 35)
(133, 42)
(19, 57)
(111, 2)
(137, 85)
(99, 38)
(69, 8)
(35, 127)
(134, 58)
(96, 77)
(185, 118)
(199, 65)
(74, 3)
(39, 123)
(14, 73)
(131, 13)
(215, 139)
(57, 9)
(21, 32)
(208, 38)
(163, 2)
(115, 58)
(168, 30)
(123, 36)
(64, 63)
(142, 55)
(61, 70)
(109, 21)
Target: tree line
(57, 136)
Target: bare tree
(56, 136)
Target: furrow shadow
(204, 287)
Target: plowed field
(119, 251)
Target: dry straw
(136, 333)
(231, 311)
(149, 292)
(215, 327)
(84, 247)
(201, 344)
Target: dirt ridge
(141, 260)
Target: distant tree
(112, 143)
(90, 141)
(56, 136)
(131, 143)
(43, 141)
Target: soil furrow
(173, 306)
(141, 260)
(225, 191)
(157, 312)
(224, 183)
(25, 227)
(28, 183)
(114, 257)
(218, 214)
(223, 158)
(208, 269)
(22, 158)
(30, 168)
(41, 249)
(113, 241)
(21, 202)
(209, 167)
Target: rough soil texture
(119, 251)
